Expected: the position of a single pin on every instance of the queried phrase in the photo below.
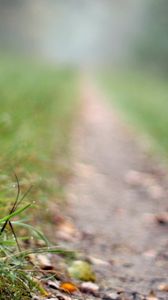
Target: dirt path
(114, 196)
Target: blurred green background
(45, 49)
(44, 46)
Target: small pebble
(163, 287)
(35, 298)
(111, 296)
(89, 288)
(53, 284)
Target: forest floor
(117, 203)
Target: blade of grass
(14, 234)
(15, 203)
(17, 212)
(32, 229)
(53, 250)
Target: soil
(118, 200)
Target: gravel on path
(115, 196)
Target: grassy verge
(144, 100)
(36, 113)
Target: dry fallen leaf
(68, 287)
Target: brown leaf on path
(68, 287)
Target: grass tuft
(36, 114)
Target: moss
(14, 289)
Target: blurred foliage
(143, 98)
(152, 47)
(81, 270)
(36, 112)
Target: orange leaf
(68, 287)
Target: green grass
(37, 108)
(36, 111)
(144, 100)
